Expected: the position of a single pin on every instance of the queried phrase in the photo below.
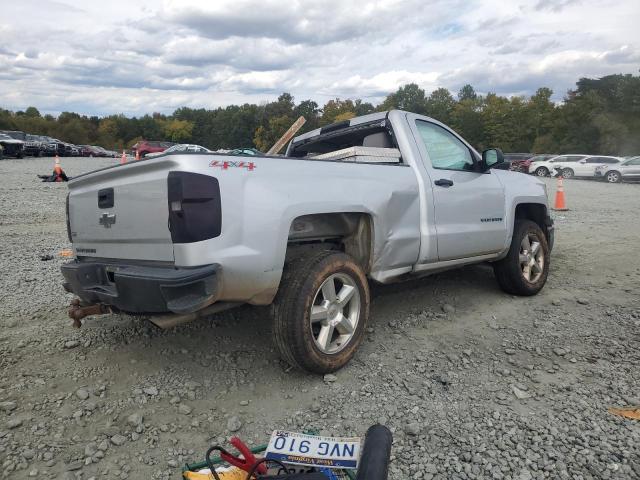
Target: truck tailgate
(122, 212)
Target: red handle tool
(245, 460)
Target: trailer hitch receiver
(77, 311)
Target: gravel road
(474, 383)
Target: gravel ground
(474, 383)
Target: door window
(445, 150)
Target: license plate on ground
(314, 451)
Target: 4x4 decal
(225, 165)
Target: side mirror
(491, 158)
(582, 161)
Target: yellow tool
(232, 473)
(627, 412)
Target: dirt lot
(474, 383)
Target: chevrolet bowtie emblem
(107, 220)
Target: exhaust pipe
(77, 312)
(169, 321)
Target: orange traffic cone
(137, 155)
(123, 160)
(560, 204)
(57, 168)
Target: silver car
(585, 167)
(627, 170)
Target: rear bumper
(143, 289)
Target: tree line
(599, 116)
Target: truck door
(469, 205)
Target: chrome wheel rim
(568, 173)
(531, 258)
(335, 313)
(541, 172)
(612, 177)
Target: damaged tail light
(195, 211)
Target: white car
(545, 167)
(629, 169)
(585, 167)
(182, 148)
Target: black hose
(376, 454)
(260, 462)
(207, 456)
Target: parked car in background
(33, 145)
(523, 165)
(245, 151)
(145, 147)
(585, 167)
(543, 168)
(182, 148)
(52, 146)
(628, 169)
(12, 147)
(88, 151)
(103, 152)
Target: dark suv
(11, 147)
(144, 147)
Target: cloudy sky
(139, 56)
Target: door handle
(444, 182)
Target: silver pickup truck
(180, 236)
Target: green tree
(266, 137)
(32, 112)
(178, 130)
(440, 105)
(334, 109)
(467, 92)
(409, 97)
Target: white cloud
(135, 57)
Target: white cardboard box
(363, 155)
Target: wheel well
(349, 232)
(533, 211)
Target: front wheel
(525, 269)
(567, 173)
(542, 172)
(613, 177)
(320, 311)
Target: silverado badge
(107, 220)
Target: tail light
(195, 211)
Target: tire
(542, 172)
(613, 176)
(302, 343)
(567, 173)
(509, 271)
(376, 454)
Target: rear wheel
(542, 172)
(525, 269)
(320, 311)
(613, 177)
(567, 173)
